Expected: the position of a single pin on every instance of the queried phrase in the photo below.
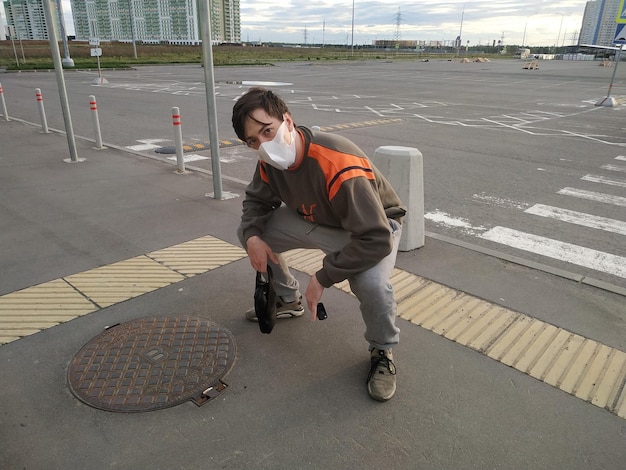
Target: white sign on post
(94, 42)
(96, 52)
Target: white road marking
(500, 201)
(603, 180)
(441, 218)
(594, 196)
(621, 157)
(578, 218)
(146, 144)
(570, 253)
(614, 168)
(191, 157)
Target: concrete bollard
(93, 106)
(4, 105)
(404, 168)
(178, 139)
(42, 111)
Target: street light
(352, 46)
(525, 25)
(67, 60)
(459, 41)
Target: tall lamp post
(67, 60)
(132, 27)
(352, 43)
(525, 25)
(459, 41)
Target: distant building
(394, 44)
(599, 25)
(26, 19)
(154, 21)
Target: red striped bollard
(93, 106)
(42, 111)
(178, 139)
(4, 105)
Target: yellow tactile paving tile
(579, 366)
(124, 280)
(198, 256)
(33, 309)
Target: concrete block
(404, 168)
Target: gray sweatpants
(287, 230)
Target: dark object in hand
(321, 312)
(265, 302)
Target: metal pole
(178, 139)
(209, 83)
(58, 68)
(96, 121)
(67, 60)
(352, 42)
(12, 31)
(42, 111)
(4, 105)
(132, 27)
(617, 59)
(458, 50)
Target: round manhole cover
(152, 363)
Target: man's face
(261, 127)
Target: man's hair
(254, 99)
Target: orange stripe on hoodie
(339, 167)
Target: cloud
(538, 22)
(483, 21)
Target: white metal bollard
(404, 168)
(178, 139)
(96, 121)
(42, 111)
(4, 105)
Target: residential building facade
(599, 25)
(26, 19)
(154, 21)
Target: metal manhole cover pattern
(151, 363)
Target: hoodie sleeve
(258, 205)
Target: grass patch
(36, 55)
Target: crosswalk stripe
(604, 180)
(614, 168)
(594, 196)
(570, 253)
(578, 218)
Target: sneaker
(283, 309)
(381, 381)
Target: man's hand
(259, 252)
(313, 295)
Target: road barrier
(178, 139)
(93, 106)
(404, 168)
(42, 111)
(4, 105)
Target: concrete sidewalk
(530, 396)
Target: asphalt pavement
(296, 398)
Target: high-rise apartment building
(26, 19)
(599, 25)
(154, 21)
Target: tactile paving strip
(30, 310)
(579, 366)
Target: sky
(534, 22)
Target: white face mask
(280, 152)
